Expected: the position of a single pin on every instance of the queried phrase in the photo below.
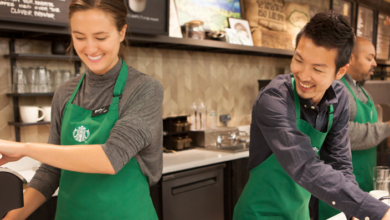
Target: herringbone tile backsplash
(226, 83)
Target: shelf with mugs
(39, 86)
(21, 124)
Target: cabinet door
(194, 194)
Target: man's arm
(293, 150)
(336, 150)
(365, 135)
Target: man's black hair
(330, 30)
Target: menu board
(50, 12)
(148, 16)
(383, 40)
(365, 23)
(344, 8)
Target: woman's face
(96, 39)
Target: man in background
(365, 132)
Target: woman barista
(106, 134)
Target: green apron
(270, 193)
(100, 196)
(362, 160)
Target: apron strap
(76, 90)
(330, 117)
(120, 83)
(349, 88)
(296, 99)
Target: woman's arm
(78, 158)
(33, 199)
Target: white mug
(47, 110)
(30, 114)
(137, 5)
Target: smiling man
(299, 133)
(365, 132)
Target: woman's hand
(11, 151)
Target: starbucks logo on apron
(81, 133)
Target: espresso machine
(11, 191)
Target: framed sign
(148, 16)
(241, 32)
(383, 37)
(343, 7)
(47, 12)
(365, 22)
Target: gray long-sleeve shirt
(274, 131)
(363, 135)
(137, 133)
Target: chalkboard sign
(148, 16)
(49, 12)
(344, 8)
(383, 40)
(365, 23)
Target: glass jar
(194, 30)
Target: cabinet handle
(193, 186)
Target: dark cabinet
(194, 194)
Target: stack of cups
(38, 80)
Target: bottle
(202, 117)
(213, 119)
(193, 116)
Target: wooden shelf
(31, 56)
(30, 94)
(165, 42)
(22, 124)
